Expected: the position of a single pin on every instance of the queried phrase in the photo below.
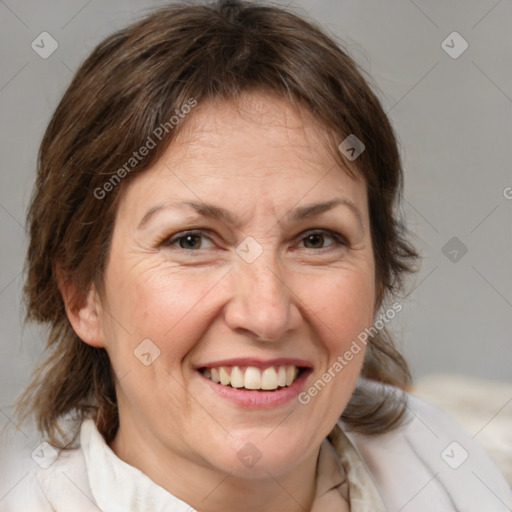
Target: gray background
(453, 118)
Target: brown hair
(130, 85)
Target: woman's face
(244, 255)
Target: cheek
(343, 305)
(164, 304)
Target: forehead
(260, 149)
(251, 123)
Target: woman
(213, 244)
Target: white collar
(117, 486)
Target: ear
(83, 311)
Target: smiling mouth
(253, 378)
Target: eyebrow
(312, 210)
(203, 209)
(219, 213)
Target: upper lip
(258, 363)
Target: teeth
(214, 374)
(291, 373)
(253, 378)
(237, 377)
(281, 376)
(268, 378)
(224, 377)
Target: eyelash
(171, 242)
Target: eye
(188, 240)
(321, 239)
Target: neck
(208, 489)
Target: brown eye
(314, 241)
(190, 242)
(319, 240)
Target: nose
(263, 304)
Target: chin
(257, 453)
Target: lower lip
(260, 399)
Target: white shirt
(428, 464)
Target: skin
(302, 297)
